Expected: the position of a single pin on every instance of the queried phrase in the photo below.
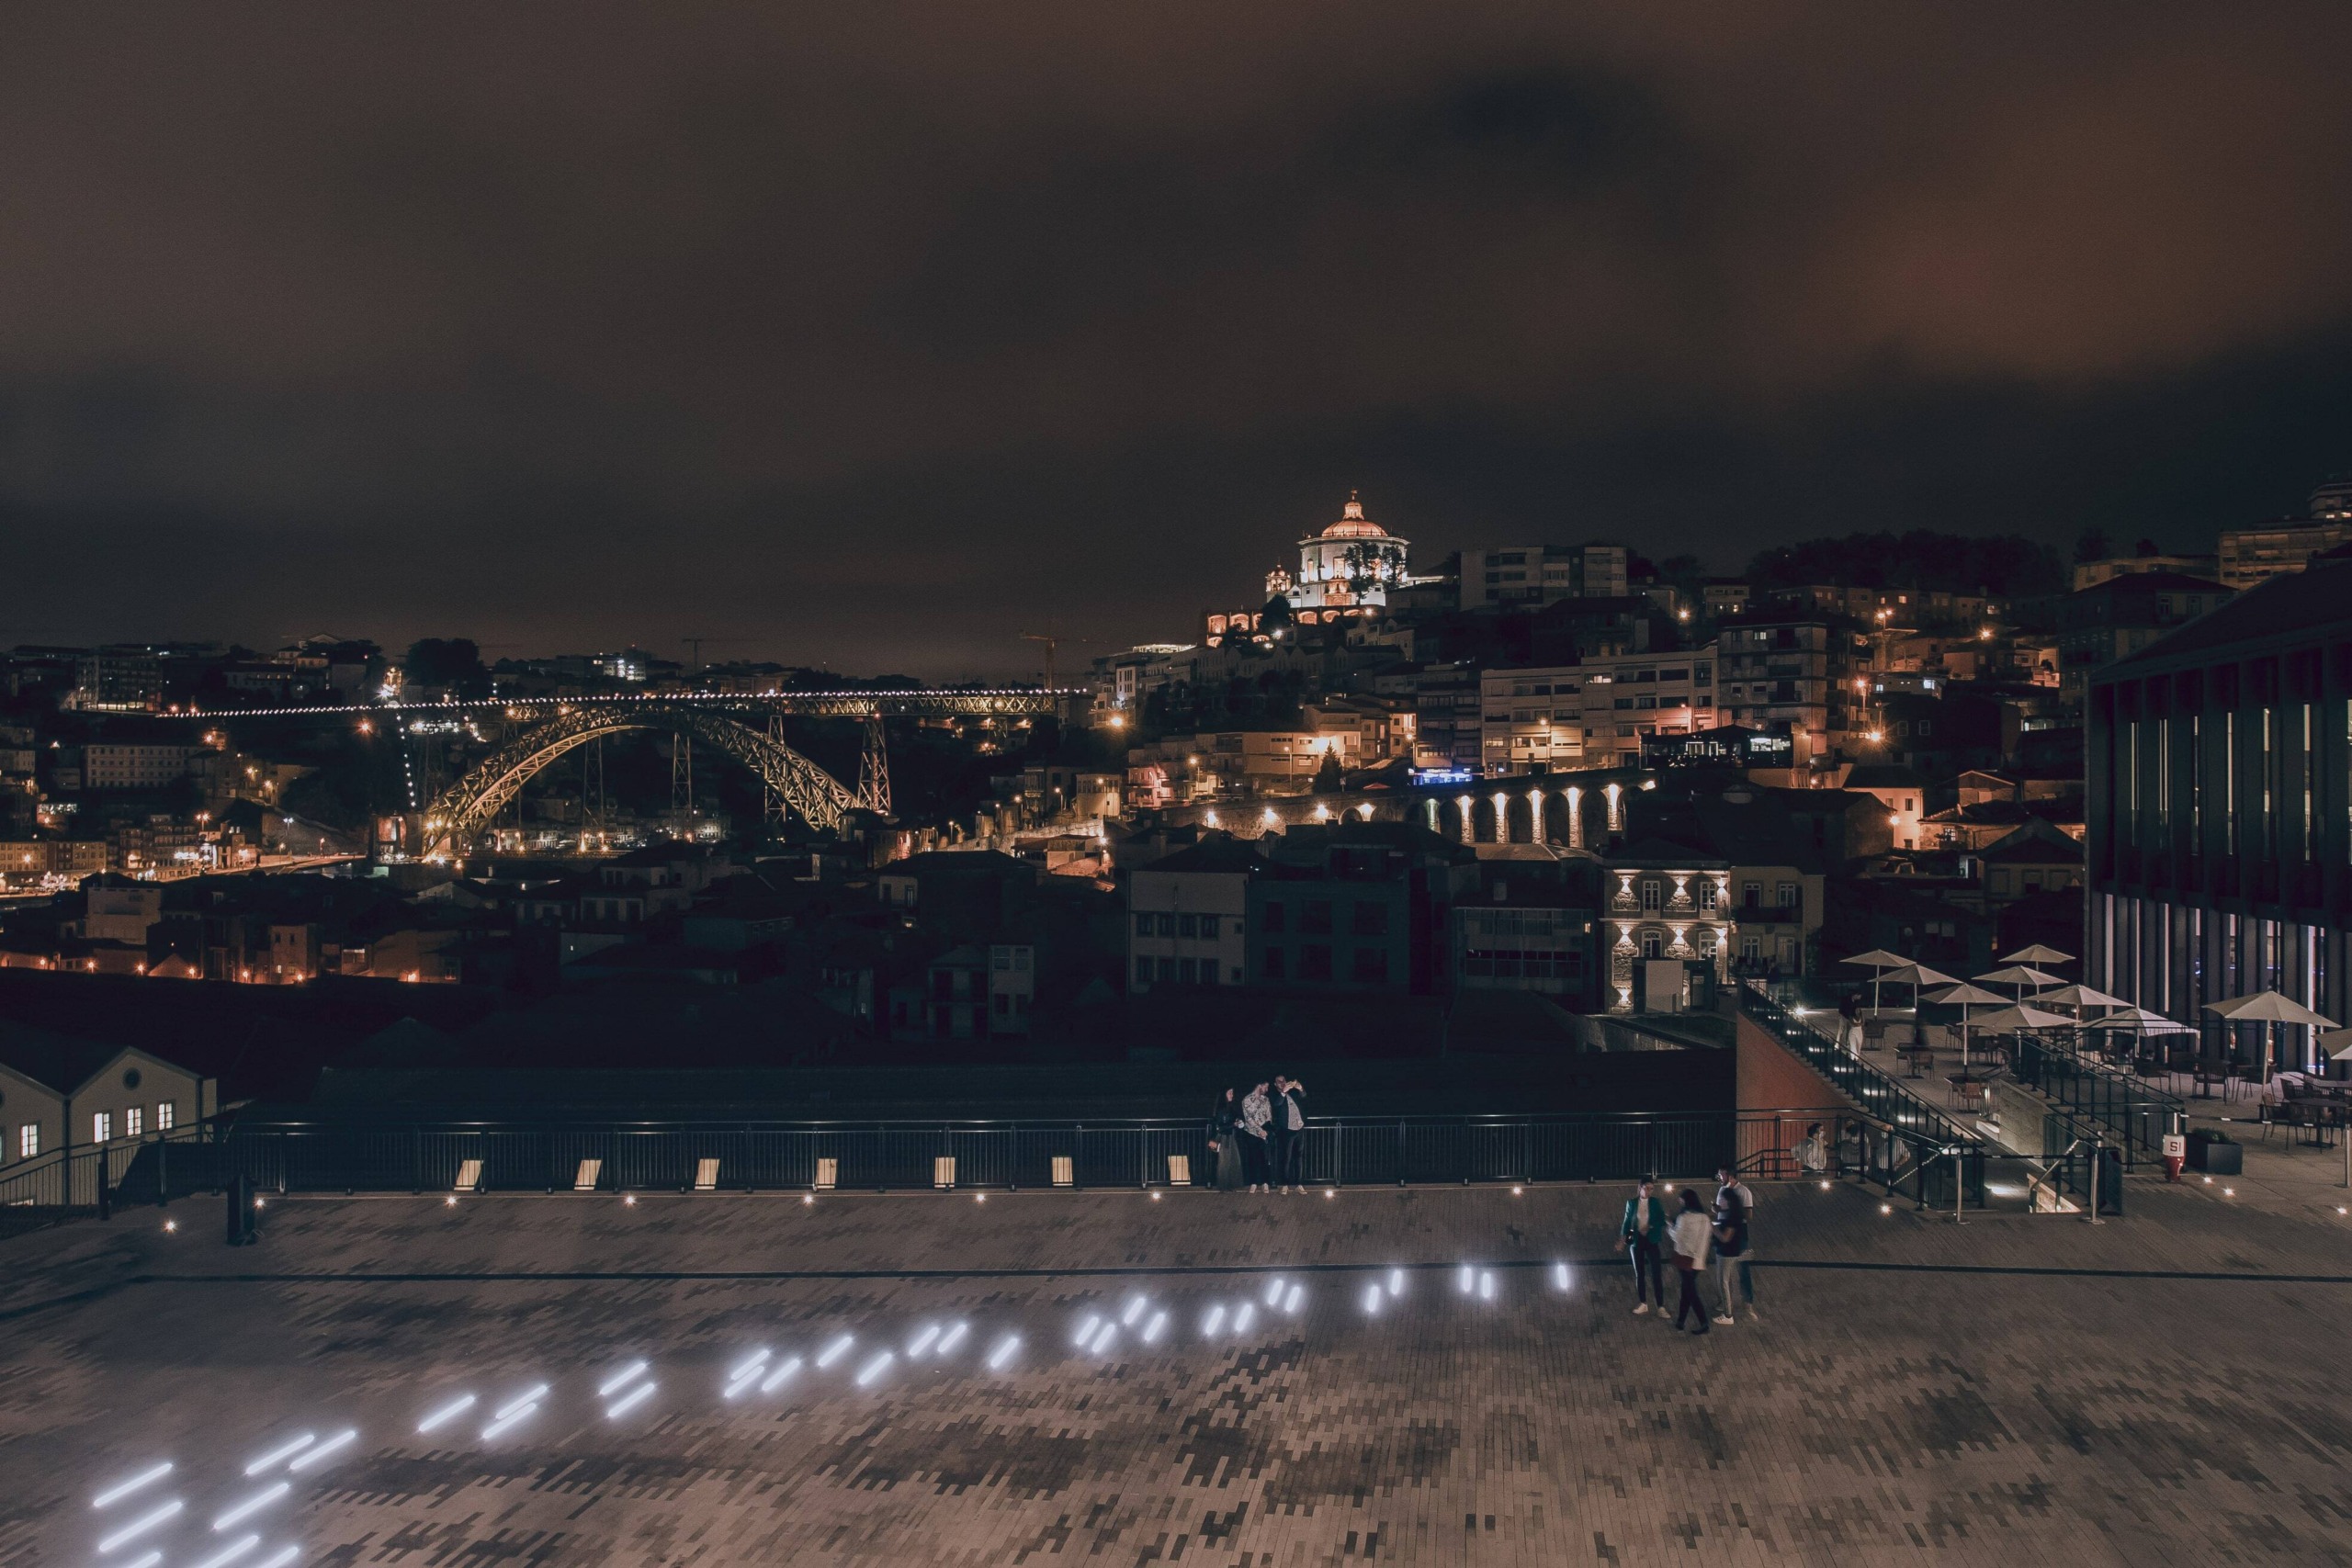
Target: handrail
(2137, 1116)
(1834, 1060)
(932, 1152)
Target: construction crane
(694, 648)
(1053, 641)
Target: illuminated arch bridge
(466, 809)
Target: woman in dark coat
(1225, 1119)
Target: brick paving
(2011, 1391)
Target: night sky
(875, 334)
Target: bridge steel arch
(457, 816)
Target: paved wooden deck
(2164, 1388)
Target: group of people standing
(1688, 1234)
(1259, 1137)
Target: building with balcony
(2219, 806)
(1776, 671)
(1730, 881)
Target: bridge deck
(1974, 1395)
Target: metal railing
(1900, 1142)
(85, 1176)
(330, 1156)
(2133, 1117)
(1878, 1094)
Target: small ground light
(1559, 1276)
(1467, 1279)
(1825, 1187)
(1331, 1192)
(256, 1202)
(1886, 1208)
(1154, 1197)
(2209, 1181)
(1515, 1191)
(807, 1197)
(2229, 1191)
(1485, 1286)
(980, 1197)
(629, 1201)
(450, 1201)
(171, 1225)
(1372, 1301)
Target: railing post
(1402, 1163)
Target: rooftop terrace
(2163, 1387)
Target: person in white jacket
(1688, 1235)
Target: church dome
(1354, 525)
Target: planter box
(2215, 1155)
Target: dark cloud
(877, 335)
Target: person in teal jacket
(1645, 1241)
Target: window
(164, 1110)
(1785, 895)
(1653, 945)
(1143, 971)
(1188, 925)
(1314, 961)
(29, 1140)
(1707, 894)
(1653, 893)
(1270, 966)
(1208, 928)
(1371, 966)
(1188, 970)
(1143, 923)
(1166, 925)
(1751, 894)
(101, 1126)
(132, 1122)
(1168, 970)
(1314, 916)
(1270, 918)
(1369, 919)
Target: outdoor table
(1970, 1088)
(1918, 1058)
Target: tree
(2145, 549)
(453, 663)
(1327, 779)
(2092, 544)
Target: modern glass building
(2219, 809)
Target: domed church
(1351, 564)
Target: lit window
(101, 1126)
(164, 1115)
(29, 1140)
(133, 1121)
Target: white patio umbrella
(1876, 959)
(1966, 996)
(2337, 1044)
(2271, 1009)
(2079, 996)
(2037, 953)
(2022, 976)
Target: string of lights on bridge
(843, 704)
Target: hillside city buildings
(1553, 778)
